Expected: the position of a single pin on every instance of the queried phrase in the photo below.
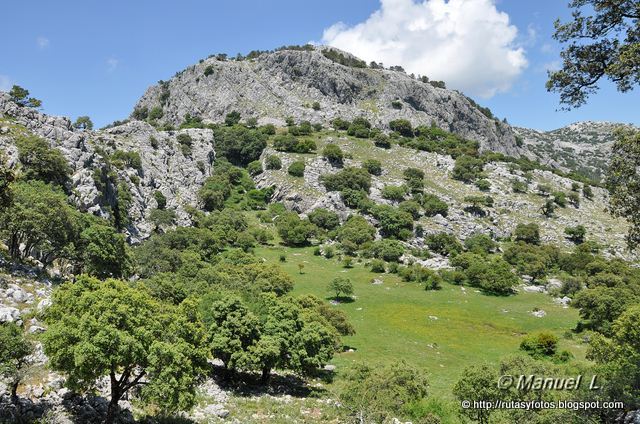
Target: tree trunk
(113, 409)
(14, 391)
(266, 374)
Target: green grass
(393, 321)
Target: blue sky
(97, 58)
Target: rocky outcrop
(286, 83)
(165, 164)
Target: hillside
(286, 83)
(583, 147)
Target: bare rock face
(286, 83)
(165, 165)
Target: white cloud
(5, 83)
(42, 42)
(467, 43)
(112, 64)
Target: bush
(411, 207)
(394, 193)
(359, 128)
(293, 230)
(518, 186)
(483, 185)
(232, 118)
(254, 168)
(160, 198)
(396, 104)
(238, 144)
(382, 140)
(468, 168)
(480, 243)
(273, 162)
(377, 266)
(316, 106)
(356, 230)
(373, 166)
(341, 287)
(208, 71)
(324, 218)
(443, 243)
(333, 153)
(340, 124)
(587, 192)
(528, 233)
(296, 169)
(289, 143)
(388, 250)
(42, 162)
(544, 189)
(492, 275)
(433, 205)
(348, 178)
(540, 344)
(413, 173)
(559, 198)
(576, 234)
(393, 222)
(402, 127)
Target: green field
(442, 331)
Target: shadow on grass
(250, 384)
(341, 299)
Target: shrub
(382, 140)
(411, 207)
(544, 189)
(413, 173)
(388, 250)
(528, 233)
(324, 218)
(316, 105)
(340, 124)
(359, 128)
(559, 198)
(396, 104)
(483, 185)
(289, 143)
(254, 168)
(492, 275)
(394, 193)
(574, 199)
(480, 243)
(356, 230)
(377, 266)
(477, 203)
(393, 222)
(443, 243)
(373, 166)
(333, 153)
(518, 186)
(341, 287)
(273, 162)
(208, 71)
(587, 192)
(161, 200)
(293, 230)
(296, 169)
(576, 234)
(232, 118)
(433, 205)
(540, 344)
(348, 178)
(468, 168)
(402, 127)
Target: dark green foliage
(155, 113)
(433, 205)
(574, 199)
(528, 233)
(296, 168)
(140, 113)
(394, 193)
(83, 123)
(396, 104)
(418, 274)
(315, 106)
(544, 189)
(387, 250)
(411, 207)
(602, 44)
(293, 230)
(532, 260)
(377, 266)
(394, 223)
(548, 208)
(229, 185)
(434, 139)
(468, 168)
(42, 162)
(518, 186)
(476, 204)
(587, 192)
(238, 144)
(481, 244)
(324, 218)
(333, 153)
(483, 185)
(373, 166)
(338, 57)
(340, 124)
(413, 174)
(576, 234)
(559, 198)
(348, 178)
(382, 140)
(273, 162)
(356, 230)
(254, 168)
(21, 97)
(208, 70)
(191, 122)
(289, 143)
(402, 127)
(103, 252)
(232, 118)
(443, 243)
(126, 159)
(360, 128)
(356, 199)
(381, 394)
(15, 349)
(490, 274)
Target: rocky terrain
(286, 83)
(583, 146)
